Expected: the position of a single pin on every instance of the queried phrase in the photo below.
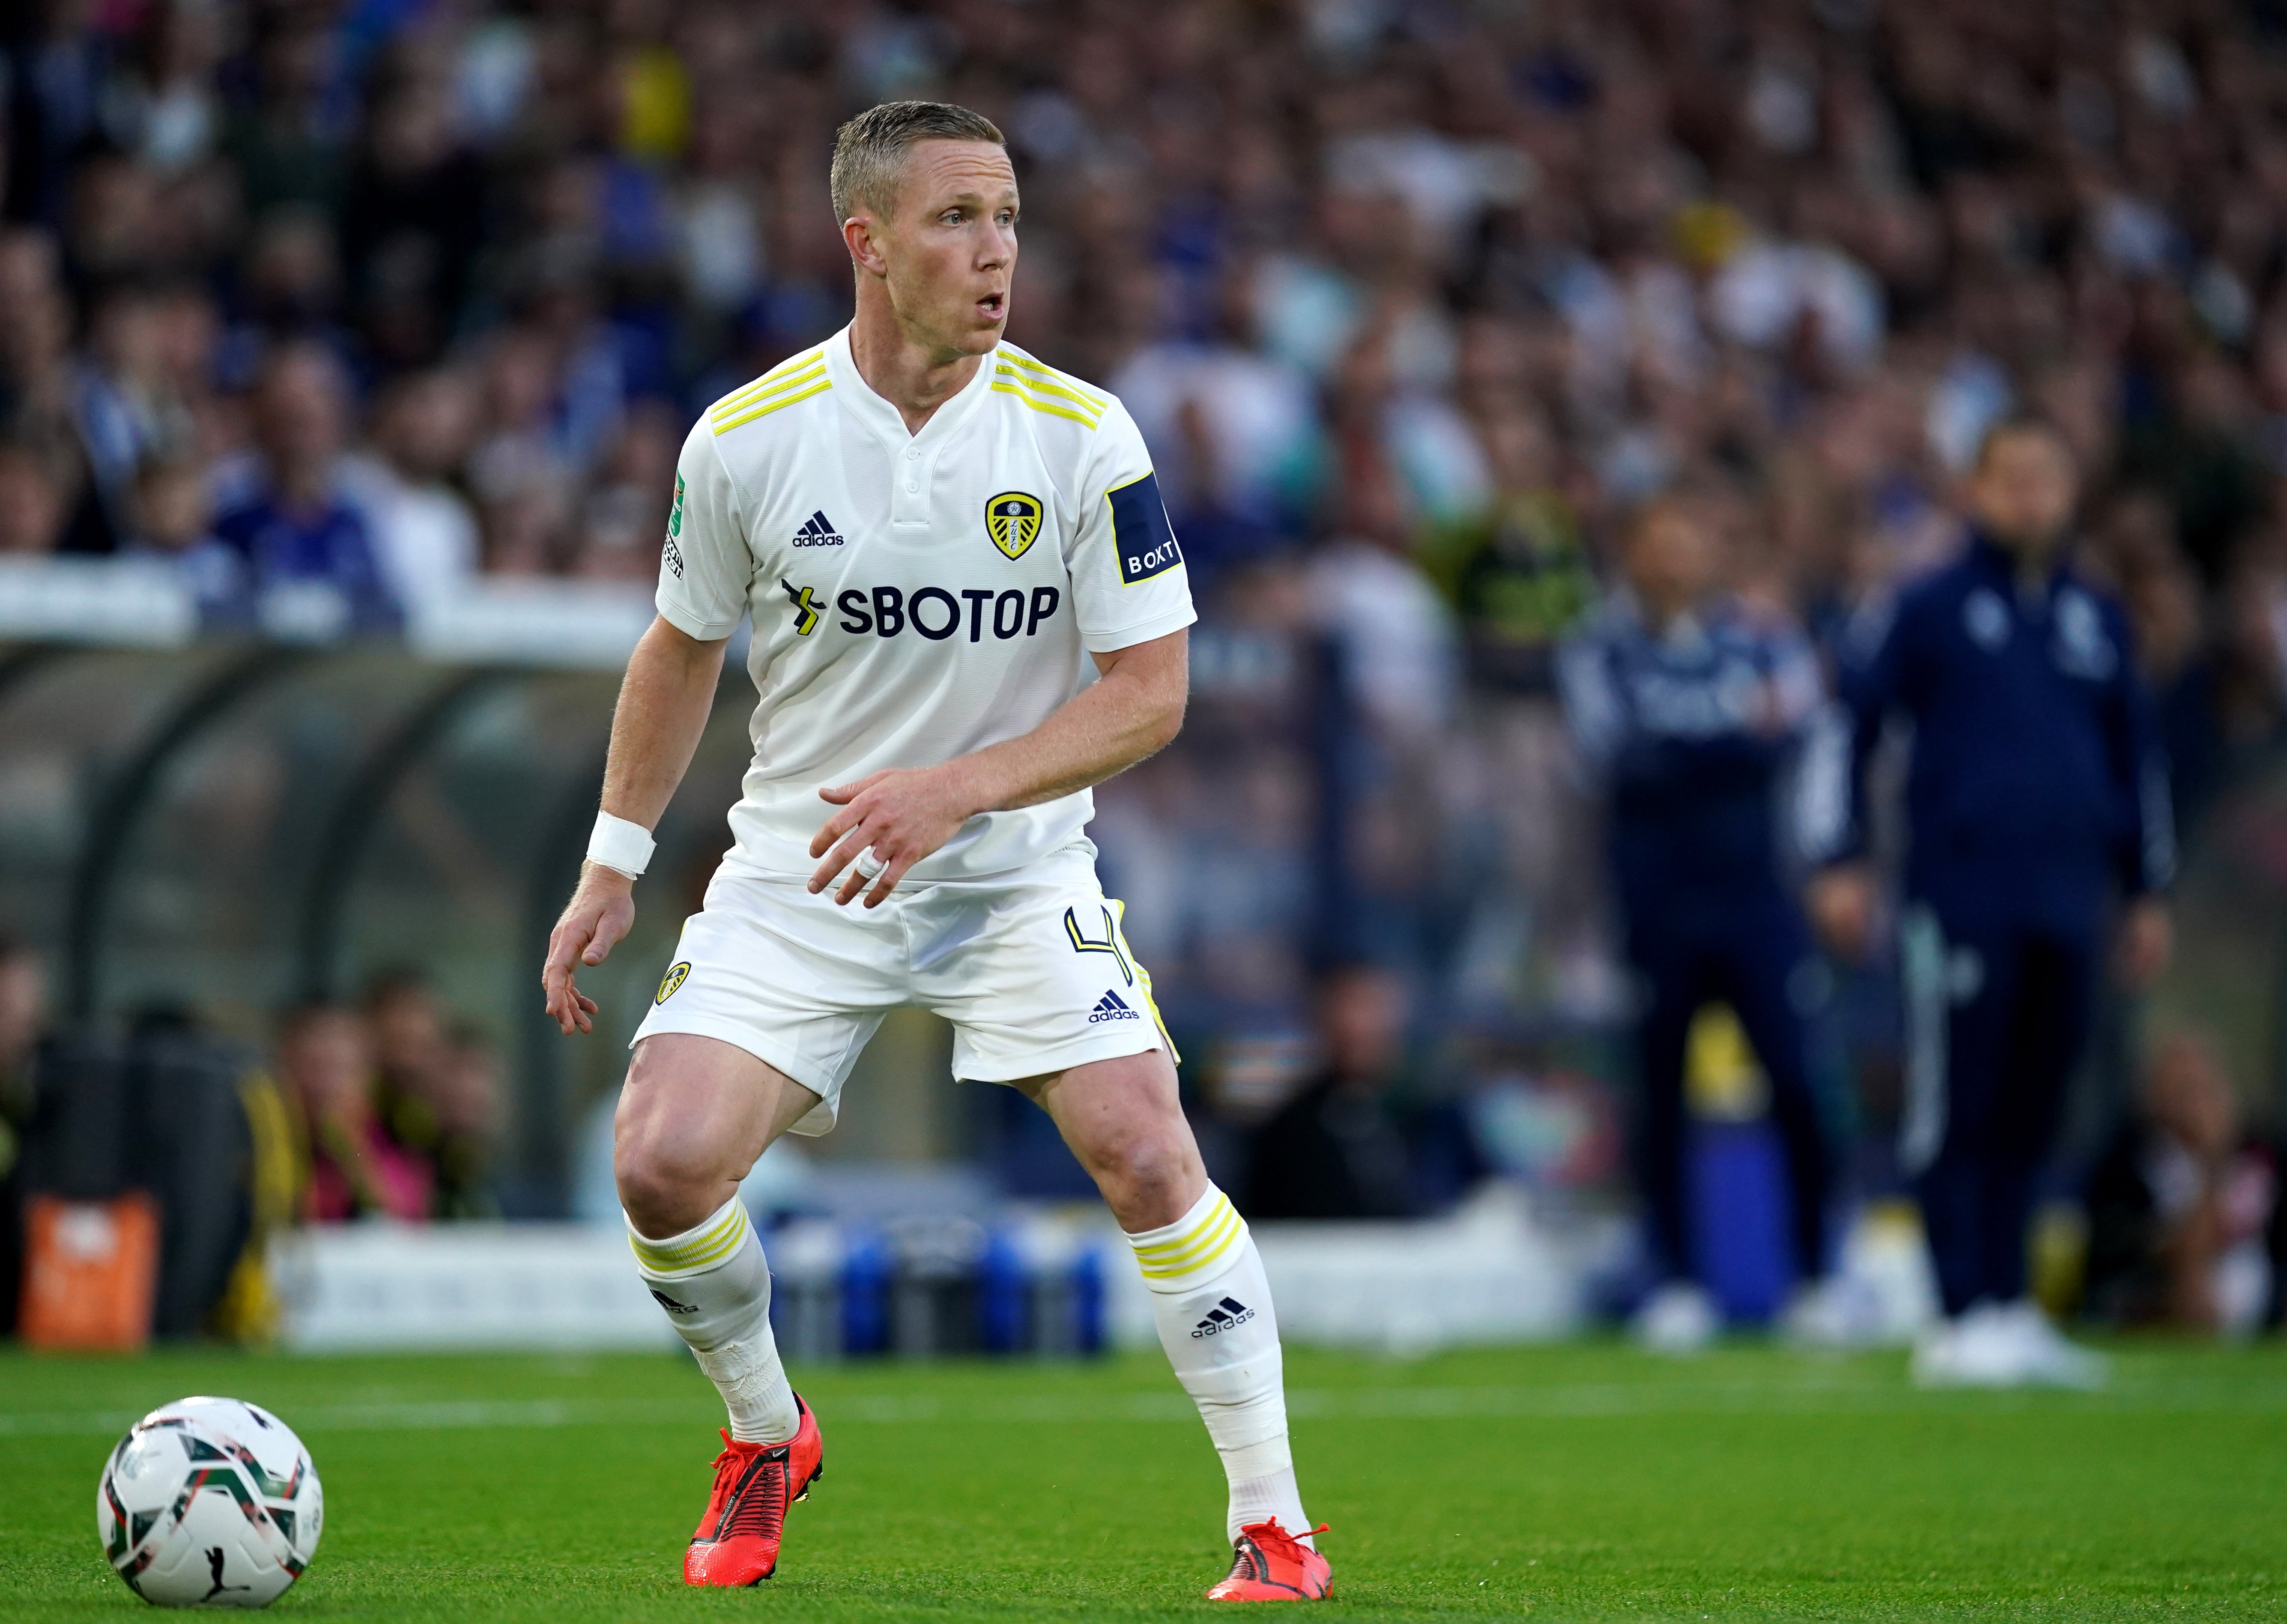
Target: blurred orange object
(89, 1270)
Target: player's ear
(857, 233)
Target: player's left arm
(1134, 709)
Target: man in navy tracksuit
(2036, 807)
(1693, 712)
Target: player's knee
(1148, 1175)
(667, 1181)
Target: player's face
(2024, 492)
(950, 245)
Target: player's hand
(1840, 902)
(904, 814)
(2148, 941)
(599, 913)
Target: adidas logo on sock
(817, 531)
(1110, 1008)
(671, 1306)
(1227, 1315)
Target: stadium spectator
(31, 508)
(2183, 1226)
(2036, 797)
(174, 510)
(425, 426)
(308, 549)
(324, 1064)
(1695, 714)
(23, 1022)
(435, 1091)
(1337, 1150)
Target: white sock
(1211, 1305)
(716, 1287)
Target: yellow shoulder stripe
(1041, 386)
(763, 407)
(776, 374)
(1042, 406)
(1054, 376)
(761, 392)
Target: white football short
(1031, 968)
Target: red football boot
(1271, 1565)
(737, 1542)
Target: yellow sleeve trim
(764, 410)
(1064, 380)
(783, 371)
(1040, 406)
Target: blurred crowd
(338, 304)
(396, 1110)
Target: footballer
(936, 537)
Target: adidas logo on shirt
(1110, 1008)
(817, 531)
(1227, 1315)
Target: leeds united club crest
(1012, 520)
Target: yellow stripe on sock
(701, 1251)
(1204, 1246)
(1176, 1245)
(1214, 1248)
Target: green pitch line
(1575, 1483)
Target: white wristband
(620, 844)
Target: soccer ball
(209, 1503)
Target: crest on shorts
(1012, 520)
(674, 979)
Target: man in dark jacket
(2036, 804)
(1695, 714)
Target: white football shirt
(914, 597)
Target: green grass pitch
(1578, 1481)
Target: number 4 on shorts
(1083, 943)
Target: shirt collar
(858, 397)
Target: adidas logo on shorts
(1227, 1315)
(817, 531)
(1110, 1008)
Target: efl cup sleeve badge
(675, 529)
(1013, 520)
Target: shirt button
(910, 486)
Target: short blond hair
(870, 151)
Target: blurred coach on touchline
(1695, 713)
(2036, 816)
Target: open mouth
(992, 306)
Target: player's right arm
(665, 698)
(664, 702)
